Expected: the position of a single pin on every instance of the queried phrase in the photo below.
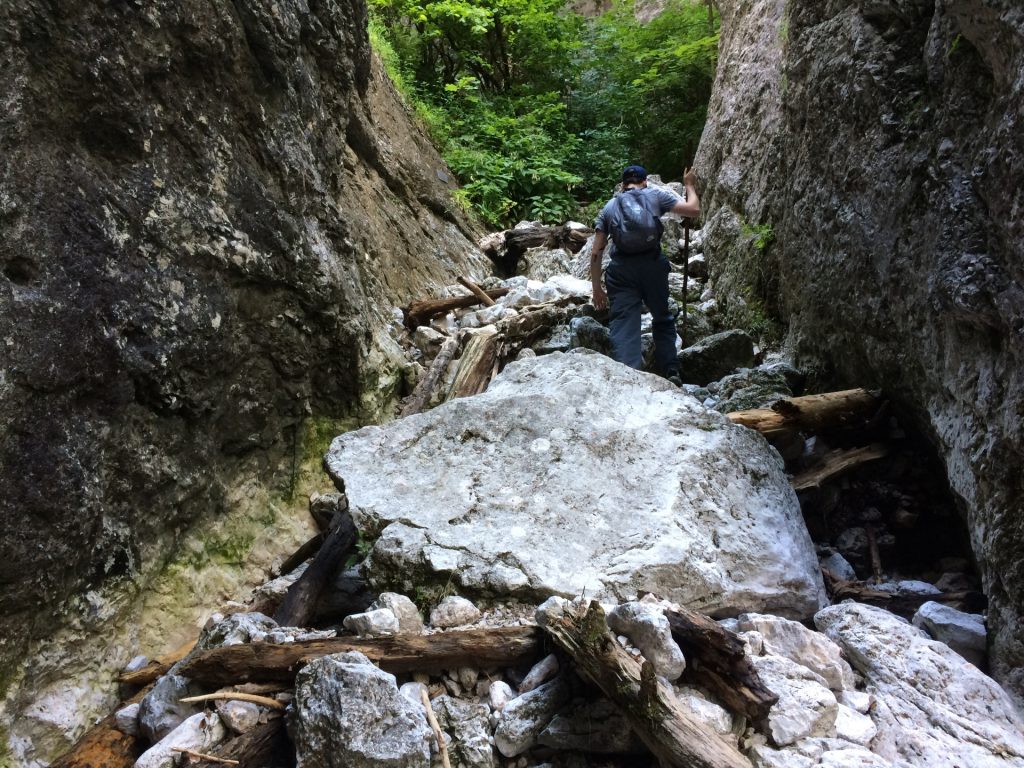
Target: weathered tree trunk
(299, 604)
(506, 249)
(422, 311)
(267, 662)
(425, 387)
(477, 364)
(674, 736)
(156, 668)
(721, 665)
(812, 413)
(902, 605)
(103, 745)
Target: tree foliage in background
(537, 109)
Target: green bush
(537, 109)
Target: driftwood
(674, 736)
(252, 698)
(265, 746)
(197, 756)
(299, 604)
(811, 413)
(267, 662)
(156, 668)
(476, 365)
(717, 662)
(422, 311)
(836, 463)
(476, 290)
(425, 387)
(436, 728)
(902, 605)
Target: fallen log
(674, 736)
(422, 311)
(303, 553)
(279, 662)
(811, 413)
(476, 366)
(836, 463)
(716, 660)
(425, 387)
(300, 602)
(506, 250)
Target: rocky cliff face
(206, 210)
(864, 167)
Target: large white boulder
(575, 474)
(932, 707)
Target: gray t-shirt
(610, 217)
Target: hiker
(638, 272)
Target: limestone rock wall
(863, 166)
(206, 209)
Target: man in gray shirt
(639, 278)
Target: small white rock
(858, 701)
(854, 727)
(413, 692)
(454, 611)
(542, 671)
(127, 719)
(378, 623)
(239, 716)
(499, 694)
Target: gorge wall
(864, 166)
(207, 209)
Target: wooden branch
(442, 748)
(300, 602)
(717, 661)
(203, 756)
(421, 311)
(476, 365)
(476, 290)
(425, 387)
(812, 413)
(267, 662)
(674, 736)
(263, 701)
(158, 667)
(836, 463)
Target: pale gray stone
(596, 727)
(908, 587)
(454, 611)
(377, 623)
(839, 567)
(783, 637)
(716, 356)
(239, 716)
(161, 710)
(201, 732)
(858, 701)
(467, 725)
(965, 633)
(410, 622)
(649, 630)
(523, 718)
(413, 691)
(127, 719)
(467, 677)
(513, 498)
(499, 694)
(350, 714)
(542, 671)
(236, 629)
(854, 727)
(806, 707)
(932, 707)
(711, 714)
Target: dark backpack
(640, 228)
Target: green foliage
(761, 235)
(537, 109)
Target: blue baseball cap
(634, 173)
